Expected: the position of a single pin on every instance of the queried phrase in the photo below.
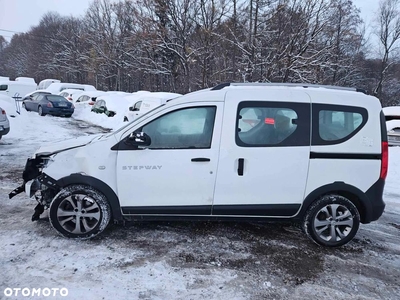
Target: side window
(188, 128)
(3, 87)
(336, 124)
(263, 124)
(137, 105)
(38, 97)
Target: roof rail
(304, 85)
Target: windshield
(137, 119)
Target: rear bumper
(59, 112)
(4, 131)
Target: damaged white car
(233, 152)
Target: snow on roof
(391, 111)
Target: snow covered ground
(183, 260)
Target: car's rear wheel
(332, 221)
(40, 111)
(79, 211)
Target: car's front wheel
(79, 211)
(332, 221)
(24, 106)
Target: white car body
(70, 94)
(44, 84)
(88, 97)
(237, 151)
(57, 87)
(16, 88)
(392, 117)
(145, 102)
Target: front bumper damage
(37, 184)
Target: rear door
(264, 155)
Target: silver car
(4, 123)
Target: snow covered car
(316, 155)
(147, 102)
(392, 117)
(393, 132)
(100, 107)
(4, 123)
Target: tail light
(49, 104)
(385, 160)
(91, 103)
(69, 98)
(3, 112)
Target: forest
(185, 45)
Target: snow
(183, 260)
(391, 111)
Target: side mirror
(139, 139)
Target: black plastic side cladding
(371, 201)
(100, 186)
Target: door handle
(240, 166)
(200, 159)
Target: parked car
(100, 107)
(111, 104)
(147, 102)
(71, 94)
(57, 87)
(392, 117)
(4, 123)
(34, 93)
(46, 82)
(89, 97)
(49, 104)
(318, 156)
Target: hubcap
(78, 214)
(333, 222)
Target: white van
(57, 87)
(317, 155)
(44, 84)
(17, 88)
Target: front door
(176, 174)
(264, 155)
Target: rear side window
(334, 124)
(3, 87)
(269, 124)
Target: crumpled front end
(37, 184)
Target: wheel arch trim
(355, 195)
(99, 185)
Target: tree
(388, 31)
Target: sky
(20, 15)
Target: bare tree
(388, 31)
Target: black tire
(331, 221)
(1, 137)
(70, 209)
(24, 106)
(40, 111)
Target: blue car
(49, 104)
